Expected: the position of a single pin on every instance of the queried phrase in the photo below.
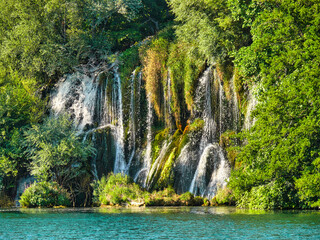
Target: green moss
(157, 143)
(119, 190)
(228, 141)
(240, 88)
(166, 177)
(197, 125)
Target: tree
(209, 27)
(283, 145)
(57, 152)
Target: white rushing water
(209, 149)
(147, 161)
(220, 174)
(83, 96)
(94, 99)
(132, 126)
(119, 164)
(76, 94)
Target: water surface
(158, 223)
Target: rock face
(119, 118)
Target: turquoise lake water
(158, 223)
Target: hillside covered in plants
(210, 98)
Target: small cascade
(199, 184)
(119, 164)
(252, 102)
(212, 168)
(132, 126)
(220, 174)
(94, 163)
(83, 96)
(147, 161)
(156, 165)
(209, 123)
(204, 94)
(76, 94)
(235, 106)
(167, 104)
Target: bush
(121, 190)
(187, 198)
(45, 194)
(5, 201)
(274, 195)
(116, 189)
(224, 196)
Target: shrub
(187, 198)
(224, 196)
(5, 201)
(45, 194)
(116, 189)
(274, 195)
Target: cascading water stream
(76, 94)
(132, 130)
(211, 154)
(204, 89)
(147, 161)
(219, 175)
(119, 164)
(95, 102)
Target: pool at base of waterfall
(158, 223)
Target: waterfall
(83, 95)
(76, 94)
(198, 184)
(220, 173)
(117, 116)
(132, 129)
(211, 154)
(119, 164)
(204, 97)
(252, 102)
(235, 105)
(147, 161)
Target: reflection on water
(158, 223)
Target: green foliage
(188, 199)
(117, 189)
(274, 195)
(5, 201)
(20, 105)
(224, 196)
(308, 186)
(69, 32)
(45, 194)
(283, 144)
(57, 152)
(209, 28)
(121, 190)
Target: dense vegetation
(45, 194)
(117, 190)
(271, 45)
(39, 42)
